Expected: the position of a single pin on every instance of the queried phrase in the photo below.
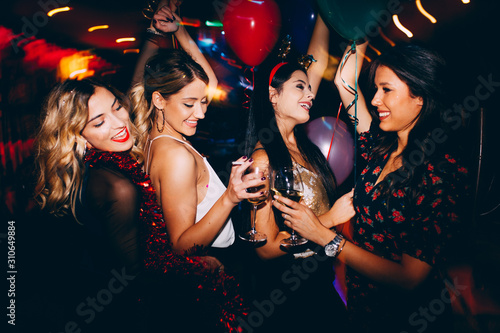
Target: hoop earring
(162, 123)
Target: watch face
(330, 250)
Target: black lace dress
(130, 240)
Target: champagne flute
(253, 235)
(286, 182)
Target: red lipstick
(125, 138)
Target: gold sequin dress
(315, 197)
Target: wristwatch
(332, 248)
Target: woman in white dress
(167, 104)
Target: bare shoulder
(170, 154)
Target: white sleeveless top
(215, 190)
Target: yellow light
(77, 72)
(422, 10)
(98, 27)
(75, 66)
(466, 1)
(130, 51)
(374, 49)
(398, 24)
(331, 68)
(387, 39)
(58, 10)
(217, 94)
(126, 39)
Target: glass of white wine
(286, 182)
(253, 235)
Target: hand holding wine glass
(286, 182)
(255, 171)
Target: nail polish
(250, 160)
(263, 178)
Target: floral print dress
(393, 227)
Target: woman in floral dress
(407, 198)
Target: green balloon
(355, 19)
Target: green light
(213, 23)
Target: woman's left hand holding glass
(303, 220)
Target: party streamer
(354, 102)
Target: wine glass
(287, 183)
(253, 235)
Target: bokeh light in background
(37, 51)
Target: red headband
(275, 69)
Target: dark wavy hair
(423, 71)
(261, 127)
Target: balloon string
(252, 83)
(354, 91)
(355, 109)
(354, 102)
(333, 134)
(348, 87)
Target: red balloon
(252, 28)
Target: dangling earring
(162, 123)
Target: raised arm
(155, 42)
(190, 46)
(347, 75)
(166, 21)
(318, 48)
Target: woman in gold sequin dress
(293, 290)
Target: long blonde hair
(60, 147)
(167, 73)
